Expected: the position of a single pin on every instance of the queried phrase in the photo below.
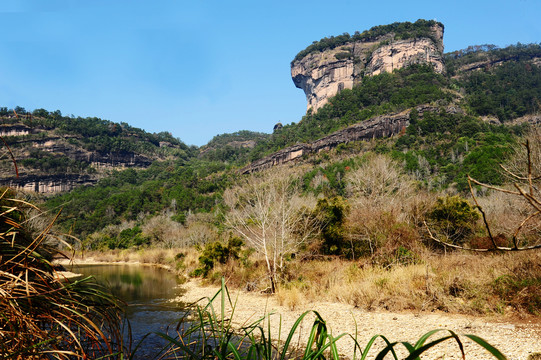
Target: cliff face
(322, 74)
(376, 127)
(49, 184)
(51, 161)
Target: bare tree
(266, 209)
(379, 181)
(525, 188)
(163, 231)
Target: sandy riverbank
(516, 339)
(94, 261)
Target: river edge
(65, 274)
(516, 339)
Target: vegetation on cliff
(488, 55)
(400, 30)
(232, 148)
(506, 91)
(377, 95)
(72, 145)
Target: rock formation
(46, 145)
(376, 127)
(322, 74)
(49, 184)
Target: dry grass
(457, 282)
(182, 260)
(498, 284)
(42, 315)
(290, 296)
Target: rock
(323, 74)
(534, 120)
(376, 127)
(48, 184)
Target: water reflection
(147, 291)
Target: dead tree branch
(527, 195)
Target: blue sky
(202, 68)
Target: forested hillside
(52, 149)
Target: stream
(148, 291)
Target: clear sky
(205, 67)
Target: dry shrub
(199, 230)
(290, 296)
(506, 212)
(359, 283)
(484, 242)
(248, 273)
(520, 285)
(380, 180)
(518, 163)
(163, 231)
(186, 259)
(495, 283)
(387, 211)
(155, 256)
(372, 232)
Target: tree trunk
(273, 285)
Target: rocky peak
(322, 71)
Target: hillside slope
(57, 153)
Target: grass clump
(42, 314)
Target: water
(148, 291)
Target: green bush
(453, 218)
(332, 214)
(217, 252)
(342, 55)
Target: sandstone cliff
(322, 74)
(49, 184)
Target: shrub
(332, 213)
(217, 252)
(342, 55)
(453, 218)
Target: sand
(516, 339)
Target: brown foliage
(42, 314)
